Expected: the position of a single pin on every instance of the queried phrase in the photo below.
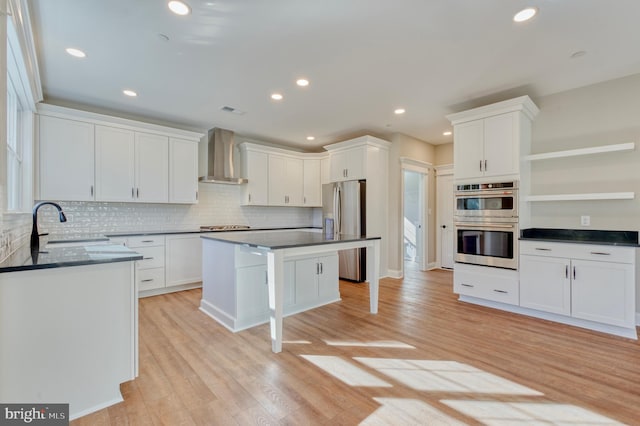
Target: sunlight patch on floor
(444, 376)
(402, 411)
(495, 413)
(373, 344)
(345, 371)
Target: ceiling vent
(232, 110)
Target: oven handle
(484, 225)
(484, 194)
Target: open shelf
(582, 151)
(582, 197)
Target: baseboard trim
(432, 265)
(98, 407)
(638, 319)
(394, 273)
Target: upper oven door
(502, 203)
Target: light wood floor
(424, 359)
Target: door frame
(444, 170)
(423, 168)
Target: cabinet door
(468, 150)
(256, 170)
(66, 159)
(501, 149)
(115, 164)
(328, 287)
(152, 168)
(252, 296)
(603, 292)
(183, 171)
(355, 163)
(277, 180)
(545, 284)
(337, 166)
(306, 282)
(312, 187)
(294, 185)
(183, 259)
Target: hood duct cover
(220, 168)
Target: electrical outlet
(585, 220)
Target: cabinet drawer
(152, 257)
(148, 241)
(248, 256)
(149, 279)
(603, 253)
(497, 287)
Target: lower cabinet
(309, 282)
(183, 259)
(496, 284)
(588, 282)
(150, 270)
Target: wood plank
(439, 355)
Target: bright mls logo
(36, 414)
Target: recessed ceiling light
(276, 96)
(303, 82)
(399, 111)
(130, 93)
(447, 133)
(525, 14)
(179, 8)
(311, 138)
(75, 52)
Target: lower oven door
(487, 244)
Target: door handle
(601, 253)
(444, 226)
(138, 193)
(92, 190)
(500, 291)
(466, 285)
(574, 272)
(133, 193)
(147, 258)
(543, 249)
(321, 268)
(480, 165)
(566, 271)
(485, 165)
(146, 281)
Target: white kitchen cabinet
(183, 171)
(496, 284)
(131, 166)
(545, 284)
(325, 171)
(66, 159)
(602, 281)
(488, 140)
(150, 271)
(183, 259)
(85, 156)
(256, 170)
(316, 281)
(252, 296)
(285, 181)
(152, 168)
(347, 164)
(312, 186)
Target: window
(20, 116)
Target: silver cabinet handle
(92, 190)
(321, 268)
(500, 291)
(133, 193)
(485, 165)
(146, 281)
(543, 249)
(566, 271)
(304, 200)
(574, 272)
(147, 258)
(266, 277)
(601, 253)
(466, 285)
(147, 241)
(137, 192)
(317, 269)
(480, 165)
(196, 195)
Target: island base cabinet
(603, 292)
(238, 295)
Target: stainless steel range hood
(219, 161)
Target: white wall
(602, 114)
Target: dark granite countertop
(581, 236)
(281, 240)
(59, 257)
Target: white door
(183, 171)
(445, 220)
(545, 284)
(468, 151)
(415, 218)
(115, 164)
(152, 168)
(500, 146)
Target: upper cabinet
(488, 140)
(183, 171)
(279, 177)
(66, 151)
(347, 164)
(114, 160)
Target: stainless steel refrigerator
(344, 212)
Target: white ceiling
(364, 58)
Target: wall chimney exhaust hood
(219, 159)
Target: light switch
(585, 220)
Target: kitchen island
(68, 326)
(223, 252)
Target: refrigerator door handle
(337, 210)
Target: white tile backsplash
(218, 205)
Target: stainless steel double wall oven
(486, 224)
